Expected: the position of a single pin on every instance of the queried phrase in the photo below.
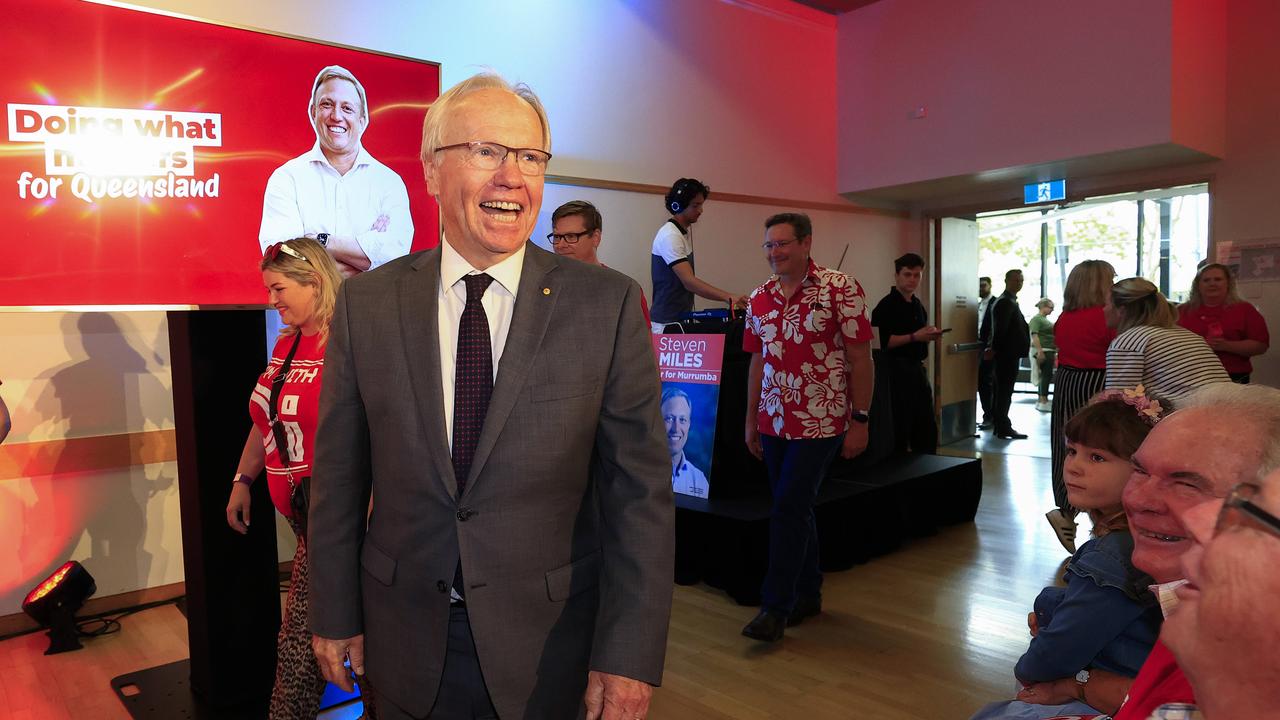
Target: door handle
(956, 348)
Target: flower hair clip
(1149, 409)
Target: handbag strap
(277, 384)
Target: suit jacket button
(464, 514)
(442, 586)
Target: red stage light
(54, 602)
(48, 585)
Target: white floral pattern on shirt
(803, 391)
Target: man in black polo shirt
(671, 269)
(904, 346)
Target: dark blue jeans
(796, 469)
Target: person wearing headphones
(674, 281)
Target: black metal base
(164, 693)
(63, 634)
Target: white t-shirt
(307, 196)
(671, 298)
(670, 244)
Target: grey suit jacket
(566, 529)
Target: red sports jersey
(299, 413)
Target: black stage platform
(862, 513)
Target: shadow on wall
(75, 502)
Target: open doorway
(1161, 234)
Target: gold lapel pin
(546, 291)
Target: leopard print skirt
(299, 684)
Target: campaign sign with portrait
(689, 367)
(137, 149)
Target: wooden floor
(931, 631)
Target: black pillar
(1166, 233)
(1142, 229)
(1044, 256)
(232, 581)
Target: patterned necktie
(472, 379)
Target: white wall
(101, 376)
(1004, 83)
(738, 94)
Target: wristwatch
(1082, 678)
(323, 239)
(241, 478)
(860, 416)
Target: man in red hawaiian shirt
(809, 337)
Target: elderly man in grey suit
(501, 404)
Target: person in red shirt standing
(1233, 328)
(810, 381)
(1082, 337)
(302, 285)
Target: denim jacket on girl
(1104, 618)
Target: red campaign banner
(135, 150)
(689, 358)
(689, 367)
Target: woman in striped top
(1151, 349)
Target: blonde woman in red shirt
(1082, 338)
(302, 285)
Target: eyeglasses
(274, 251)
(781, 244)
(489, 156)
(1239, 509)
(571, 238)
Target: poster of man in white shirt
(337, 192)
(677, 415)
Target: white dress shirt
(307, 196)
(689, 480)
(499, 302)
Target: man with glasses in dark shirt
(904, 346)
(575, 232)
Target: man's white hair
(438, 116)
(1257, 406)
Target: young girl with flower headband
(1105, 617)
